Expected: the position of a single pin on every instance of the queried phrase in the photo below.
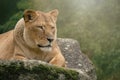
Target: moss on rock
(34, 70)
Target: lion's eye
(41, 27)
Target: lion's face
(40, 29)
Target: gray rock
(75, 58)
(79, 66)
(37, 70)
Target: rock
(79, 66)
(75, 58)
(37, 70)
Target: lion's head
(40, 29)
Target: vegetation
(94, 23)
(33, 70)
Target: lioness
(34, 37)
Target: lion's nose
(50, 39)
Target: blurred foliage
(11, 23)
(94, 23)
(7, 8)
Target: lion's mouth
(44, 46)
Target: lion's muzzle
(50, 39)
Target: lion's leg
(58, 60)
(18, 57)
(18, 54)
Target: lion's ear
(29, 15)
(54, 13)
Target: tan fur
(34, 37)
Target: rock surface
(37, 70)
(79, 66)
(75, 58)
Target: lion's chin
(46, 49)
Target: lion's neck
(18, 37)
